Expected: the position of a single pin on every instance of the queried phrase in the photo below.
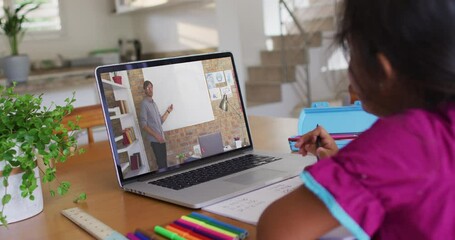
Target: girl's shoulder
(409, 140)
(418, 121)
(404, 161)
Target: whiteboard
(184, 86)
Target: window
(44, 19)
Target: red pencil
(335, 136)
(188, 231)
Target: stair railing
(300, 88)
(302, 74)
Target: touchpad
(255, 176)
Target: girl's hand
(307, 143)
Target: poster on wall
(226, 90)
(215, 94)
(219, 77)
(210, 78)
(229, 77)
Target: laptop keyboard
(214, 171)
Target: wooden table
(93, 173)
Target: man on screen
(151, 121)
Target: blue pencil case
(336, 120)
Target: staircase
(288, 60)
(264, 81)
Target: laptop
(198, 98)
(211, 144)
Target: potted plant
(16, 66)
(31, 135)
(180, 157)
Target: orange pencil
(182, 233)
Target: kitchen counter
(58, 84)
(45, 80)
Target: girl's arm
(298, 215)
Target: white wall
(88, 25)
(285, 108)
(176, 28)
(272, 26)
(328, 81)
(252, 34)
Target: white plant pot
(16, 68)
(238, 143)
(20, 208)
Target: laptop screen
(162, 114)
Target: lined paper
(249, 207)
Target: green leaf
(6, 199)
(5, 182)
(71, 125)
(7, 170)
(49, 174)
(81, 150)
(52, 192)
(66, 152)
(60, 191)
(9, 155)
(3, 220)
(81, 197)
(63, 188)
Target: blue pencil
(141, 236)
(228, 227)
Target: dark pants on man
(159, 149)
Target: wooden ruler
(92, 225)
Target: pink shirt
(396, 180)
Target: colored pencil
(145, 233)
(202, 230)
(167, 234)
(131, 236)
(214, 222)
(335, 136)
(214, 228)
(189, 231)
(183, 234)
